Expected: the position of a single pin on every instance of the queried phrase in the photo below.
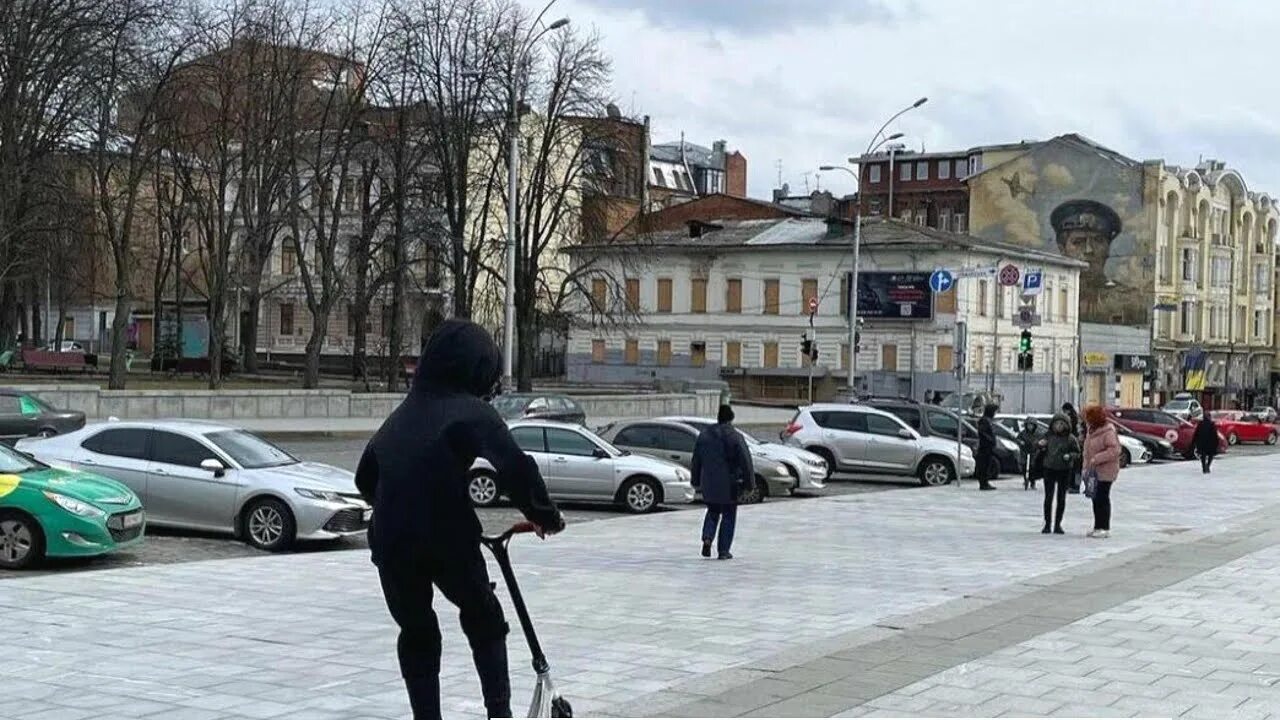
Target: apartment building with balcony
(729, 299)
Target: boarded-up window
(808, 292)
(844, 296)
(889, 357)
(1063, 305)
(771, 354)
(633, 295)
(599, 294)
(698, 295)
(664, 295)
(698, 354)
(771, 296)
(597, 351)
(947, 302)
(733, 354)
(945, 360)
(733, 296)
(844, 356)
(286, 320)
(664, 352)
(631, 353)
(288, 259)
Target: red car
(1243, 427)
(1151, 421)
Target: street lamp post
(518, 59)
(876, 142)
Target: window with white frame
(1189, 265)
(922, 170)
(905, 172)
(874, 173)
(1261, 278)
(1259, 324)
(1220, 271)
(975, 164)
(1186, 318)
(944, 170)
(960, 223)
(944, 217)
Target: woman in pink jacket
(1102, 455)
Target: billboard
(895, 296)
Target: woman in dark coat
(1205, 440)
(721, 467)
(986, 455)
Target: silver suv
(857, 438)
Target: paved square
(626, 609)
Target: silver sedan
(206, 476)
(809, 470)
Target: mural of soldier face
(1084, 230)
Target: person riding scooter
(425, 534)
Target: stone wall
(231, 404)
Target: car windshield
(1177, 405)
(509, 405)
(250, 451)
(12, 461)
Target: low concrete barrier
(258, 404)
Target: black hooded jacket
(414, 470)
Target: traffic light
(1024, 345)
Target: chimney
(782, 192)
(717, 154)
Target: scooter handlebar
(521, 528)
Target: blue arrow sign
(941, 281)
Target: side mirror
(906, 434)
(214, 466)
(599, 453)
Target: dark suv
(937, 421)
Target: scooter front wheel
(560, 708)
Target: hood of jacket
(460, 356)
(1064, 418)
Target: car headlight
(1166, 444)
(682, 475)
(326, 495)
(75, 507)
(966, 452)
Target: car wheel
(1233, 439)
(754, 494)
(936, 471)
(1124, 458)
(1271, 438)
(21, 541)
(269, 525)
(795, 475)
(640, 495)
(483, 490)
(825, 454)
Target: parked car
(940, 422)
(1184, 407)
(207, 476)
(1134, 446)
(1175, 431)
(809, 470)
(531, 406)
(66, 346)
(673, 440)
(579, 465)
(25, 415)
(1241, 427)
(859, 438)
(53, 512)
(1265, 413)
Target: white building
(728, 299)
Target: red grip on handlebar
(522, 527)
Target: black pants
(1102, 506)
(718, 524)
(464, 581)
(1055, 487)
(1205, 461)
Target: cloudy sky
(806, 82)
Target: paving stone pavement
(627, 612)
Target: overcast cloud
(808, 82)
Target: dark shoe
(1058, 530)
(726, 556)
(1045, 531)
(706, 549)
(986, 487)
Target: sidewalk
(855, 605)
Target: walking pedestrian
(425, 534)
(721, 468)
(1073, 418)
(1101, 456)
(986, 455)
(1061, 453)
(1205, 441)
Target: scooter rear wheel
(560, 708)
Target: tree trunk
(249, 354)
(311, 364)
(460, 305)
(217, 328)
(360, 344)
(119, 343)
(8, 314)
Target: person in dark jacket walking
(1061, 456)
(986, 461)
(1205, 441)
(425, 534)
(721, 468)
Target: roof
(694, 154)
(794, 232)
(912, 155)
(192, 426)
(1073, 139)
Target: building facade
(730, 300)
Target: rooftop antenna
(806, 183)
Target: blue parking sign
(1032, 282)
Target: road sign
(941, 280)
(813, 305)
(1009, 275)
(975, 272)
(1032, 282)
(1027, 318)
